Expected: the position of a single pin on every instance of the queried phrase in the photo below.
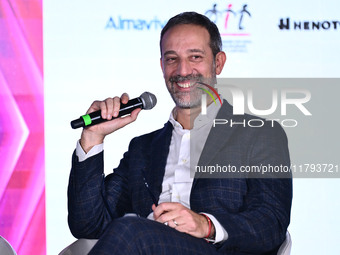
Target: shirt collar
(201, 120)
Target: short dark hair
(195, 18)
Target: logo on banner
(225, 15)
(136, 24)
(326, 25)
(233, 22)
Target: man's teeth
(184, 85)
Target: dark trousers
(134, 235)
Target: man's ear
(220, 60)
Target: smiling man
(187, 58)
(177, 214)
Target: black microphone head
(149, 100)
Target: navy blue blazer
(254, 211)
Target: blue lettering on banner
(134, 24)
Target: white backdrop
(90, 53)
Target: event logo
(214, 15)
(119, 23)
(326, 25)
(233, 22)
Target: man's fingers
(177, 223)
(116, 106)
(167, 216)
(124, 98)
(109, 108)
(135, 113)
(108, 104)
(153, 207)
(167, 212)
(181, 218)
(129, 118)
(164, 207)
(95, 106)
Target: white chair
(6, 248)
(83, 246)
(79, 247)
(286, 246)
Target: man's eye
(196, 57)
(170, 60)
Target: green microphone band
(87, 119)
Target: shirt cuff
(220, 233)
(82, 156)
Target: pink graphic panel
(22, 160)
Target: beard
(186, 99)
(189, 99)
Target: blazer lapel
(218, 136)
(159, 154)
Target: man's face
(187, 58)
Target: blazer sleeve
(89, 192)
(267, 207)
(259, 225)
(94, 201)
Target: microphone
(146, 101)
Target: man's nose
(184, 68)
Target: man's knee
(135, 228)
(143, 236)
(136, 235)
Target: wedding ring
(175, 222)
(166, 223)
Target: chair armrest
(79, 247)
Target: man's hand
(94, 135)
(182, 219)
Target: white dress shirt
(185, 148)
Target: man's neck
(186, 117)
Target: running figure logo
(243, 11)
(214, 14)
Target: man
(188, 215)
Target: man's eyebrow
(169, 52)
(190, 50)
(196, 51)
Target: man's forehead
(188, 34)
(187, 28)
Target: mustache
(179, 78)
